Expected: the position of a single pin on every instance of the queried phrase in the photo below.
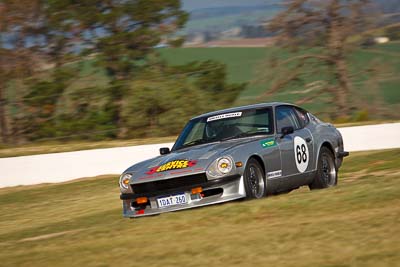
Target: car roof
(241, 108)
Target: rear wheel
(326, 175)
(254, 180)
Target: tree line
(45, 47)
(317, 36)
(49, 47)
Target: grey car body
(284, 157)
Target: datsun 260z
(244, 152)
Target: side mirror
(287, 130)
(164, 151)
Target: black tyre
(254, 180)
(326, 175)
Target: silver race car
(245, 152)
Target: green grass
(248, 65)
(79, 223)
(240, 61)
(59, 146)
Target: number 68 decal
(301, 154)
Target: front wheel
(326, 175)
(254, 180)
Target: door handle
(308, 139)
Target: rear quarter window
(302, 116)
(286, 117)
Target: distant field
(222, 23)
(241, 62)
(248, 65)
(222, 19)
(79, 223)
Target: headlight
(224, 165)
(220, 167)
(124, 180)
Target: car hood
(183, 162)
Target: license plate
(174, 200)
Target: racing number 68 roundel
(301, 154)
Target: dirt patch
(353, 176)
(378, 162)
(48, 236)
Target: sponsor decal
(268, 143)
(172, 165)
(224, 116)
(274, 174)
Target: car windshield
(226, 126)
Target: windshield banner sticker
(268, 143)
(224, 116)
(172, 165)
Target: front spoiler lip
(208, 202)
(210, 183)
(232, 190)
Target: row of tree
(317, 35)
(46, 45)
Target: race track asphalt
(61, 167)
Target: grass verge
(57, 147)
(79, 223)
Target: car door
(296, 149)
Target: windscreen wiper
(244, 134)
(195, 142)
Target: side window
(285, 117)
(302, 115)
(258, 121)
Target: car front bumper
(224, 189)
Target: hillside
(221, 15)
(248, 65)
(220, 19)
(191, 5)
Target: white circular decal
(301, 155)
